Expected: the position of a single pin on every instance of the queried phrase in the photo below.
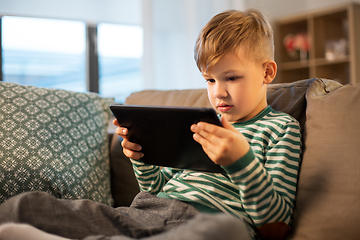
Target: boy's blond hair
(227, 31)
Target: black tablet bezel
(165, 136)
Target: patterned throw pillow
(54, 141)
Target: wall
(170, 27)
(282, 8)
(111, 11)
(170, 32)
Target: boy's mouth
(222, 107)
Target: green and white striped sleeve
(268, 184)
(151, 178)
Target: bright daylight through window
(120, 49)
(52, 53)
(44, 52)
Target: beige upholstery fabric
(179, 98)
(328, 198)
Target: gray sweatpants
(148, 217)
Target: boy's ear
(270, 69)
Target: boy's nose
(220, 91)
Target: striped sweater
(259, 188)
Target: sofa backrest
(328, 194)
(285, 97)
(178, 98)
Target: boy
(258, 148)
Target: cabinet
(334, 45)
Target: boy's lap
(148, 216)
(80, 218)
(68, 218)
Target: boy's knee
(21, 231)
(9, 230)
(221, 226)
(232, 227)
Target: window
(52, 53)
(44, 52)
(120, 50)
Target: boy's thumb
(225, 123)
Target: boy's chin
(233, 119)
(230, 118)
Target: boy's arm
(151, 178)
(266, 177)
(267, 190)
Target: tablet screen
(165, 136)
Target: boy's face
(237, 86)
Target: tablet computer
(165, 136)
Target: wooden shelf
(322, 27)
(294, 65)
(327, 62)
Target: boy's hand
(130, 149)
(224, 145)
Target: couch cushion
(290, 98)
(53, 141)
(328, 198)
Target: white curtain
(170, 31)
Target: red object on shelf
(297, 43)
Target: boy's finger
(132, 154)
(130, 145)
(212, 132)
(207, 132)
(206, 144)
(121, 131)
(208, 127)
(115, 122)
(226, 124)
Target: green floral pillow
(54, 141)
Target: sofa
(328, 196)
(63, 142)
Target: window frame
(92, 66)
(92, 59)
(1, 56)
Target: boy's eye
(232, 78)
(210, 80)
